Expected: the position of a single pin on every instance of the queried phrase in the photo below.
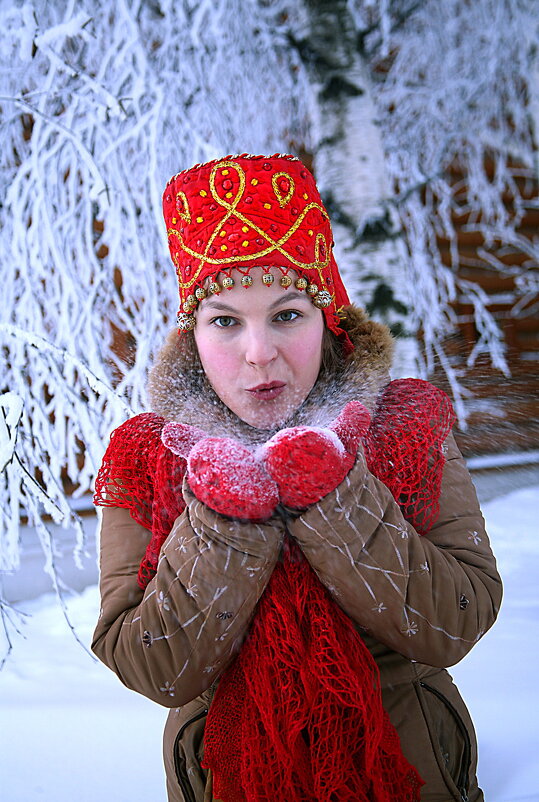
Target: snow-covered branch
(454, 98)
(99, 105)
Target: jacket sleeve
(172, 641)
(429, 597)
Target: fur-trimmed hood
(178, 388)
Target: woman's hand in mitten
(307, 464)
(224, 475)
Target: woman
(292, 551)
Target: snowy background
(100, 103)
(71, 731)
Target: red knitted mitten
(307, 464)
(222, 473)
(225, 476)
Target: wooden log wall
(503, 410)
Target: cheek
(308, 354)
(219, 363)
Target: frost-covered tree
(350, 165)
(99, 107)
(459, 93)
(408, 94)
(101, 102)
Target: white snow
(498, 679)
(71, 731)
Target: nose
(260, 348)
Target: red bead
(266, 166)
(227, 183)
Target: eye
(224, 321)
(287, 316)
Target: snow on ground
(71, 731)
(498, 679)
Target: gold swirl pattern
(283, 198)
(182, 207)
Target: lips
(266, 392)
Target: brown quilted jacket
(420, 603)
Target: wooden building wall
(503, 410)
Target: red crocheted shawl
(138, 473)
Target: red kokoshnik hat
(247, 211)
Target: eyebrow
(293, 295)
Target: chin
(268, 416)
(264, 422)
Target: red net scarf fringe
(140, 474)
(298, 715)
(403, 447)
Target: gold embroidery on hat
(282, 197)
(183, 210)
(320, 240)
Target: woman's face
(260, 348)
